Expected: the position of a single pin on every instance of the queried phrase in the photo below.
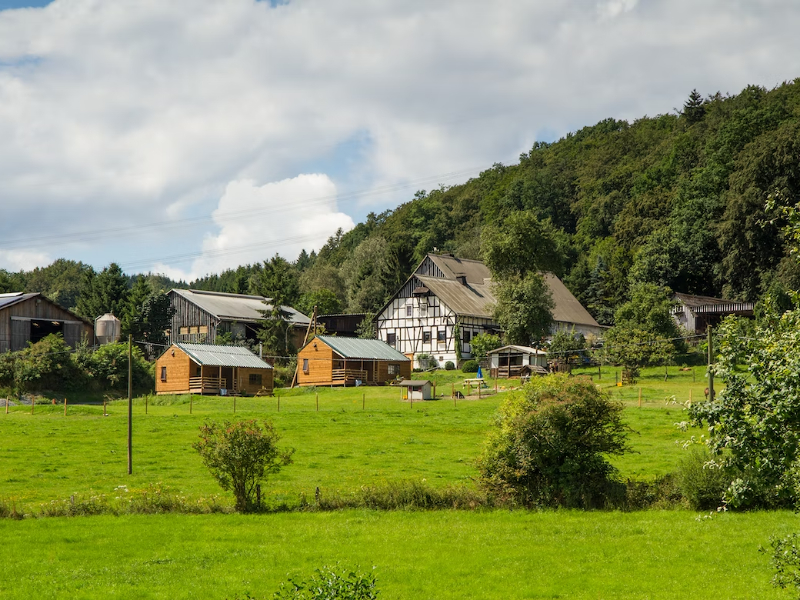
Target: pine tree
(694, 108)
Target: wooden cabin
(30, 317)
(329, 360)
(214, 370)
(516, 361)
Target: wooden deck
(210, 385)
(348, 376)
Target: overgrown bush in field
(331, 583)
(46, 365)
(108, 366)
(549, 445)
(402, 495)
(470, 366)
(702, 481)
(240, 455)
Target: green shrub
(108, 366)
(449, 365)
(470, 366)
(240, 455)
(402, 495)
(330, 583)
(550, 444)
(702, 484)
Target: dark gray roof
(358, 348)
(13, 298)
(237, 307)
(222, 356)
(413, 382)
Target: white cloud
(258, 221)
(143, 111)
(16, 260)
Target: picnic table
(478, 382)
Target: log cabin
(444, 291)
(201, 316)
(216, 370)
(30, 317)
(329, 360)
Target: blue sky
(195, 135)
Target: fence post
(191, 401)
(317, 401)
(690, 396)
(640, 397)
(234, 405)
(65, 406)
(104, 407)
(146, 398)
(279, 403)
(33, 403)
(363, 401)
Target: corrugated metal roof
(222, 356)
(14, 298)
(237, 307)
(358, 348)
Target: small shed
(417, 389)
(516, 361)
(215, 370)
(330, 360)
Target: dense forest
(678, 200)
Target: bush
(329, 583)
(240, 455)
(550, 445)
(402, 495)
(449, 365)
(702, 484)
(470, 366)
(108, 366)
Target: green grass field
(440, 554)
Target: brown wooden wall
(188, 314)
(15, 333)
(243, 379)
(320, 364)
(179, 369)
(383, 370)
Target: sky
(191, 136)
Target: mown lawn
(444, 554)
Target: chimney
(462, 279)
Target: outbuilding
(331, 360)
(31, 317)
(515, 361)
(215, 370)
(417, 389)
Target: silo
(107, 329)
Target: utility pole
(130, 404)
(710, 364)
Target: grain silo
(107, 329)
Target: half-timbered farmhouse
(329, 360)
(215, 370)
(444, 290)
(696, 313)
(201, 316)
(30, 317)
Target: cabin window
(192, 330)
(204, 329)
(426, 337)
(199, 372)
(409, 310)
(305, 366)
(163, 373)
(441, 336)
(183, 331)
(255, 379)
(393, 369)
(391, 339)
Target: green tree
(131, 320)
(550, 445)
(105, 292)
(240, 455)
(520, 246)
(482, 343)
(565, 345)
(325, 300)
(524, 309)
(694, 108)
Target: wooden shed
(515, 361)
(215, 370)
(329, 360)
(417, 389)
(30, 317)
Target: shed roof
(237, 307)
(359, 348)
(515, 348)
(414, 383)
(13, 298)
(222, 356)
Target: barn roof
(360, 348)
(12, 298)
(237, 307)
(222, 356)
(476, 299)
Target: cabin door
(369, 367)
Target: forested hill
(677, 199)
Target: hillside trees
(104, 292)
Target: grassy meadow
(358, 437)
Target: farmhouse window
(183, 331)
(391, 339)
(423, 308)
(163, 373)
(441, 336)
(192, 330)
(426, 337)
(255, 379)
(305, 366)
(204, 329)
(409, 310)
(467, 336)
(393, 369)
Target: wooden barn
(215, 370)
(30, 317)
(328, 360)
(201, 316)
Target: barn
(329, 360)
(30, 317)
(215, 370)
